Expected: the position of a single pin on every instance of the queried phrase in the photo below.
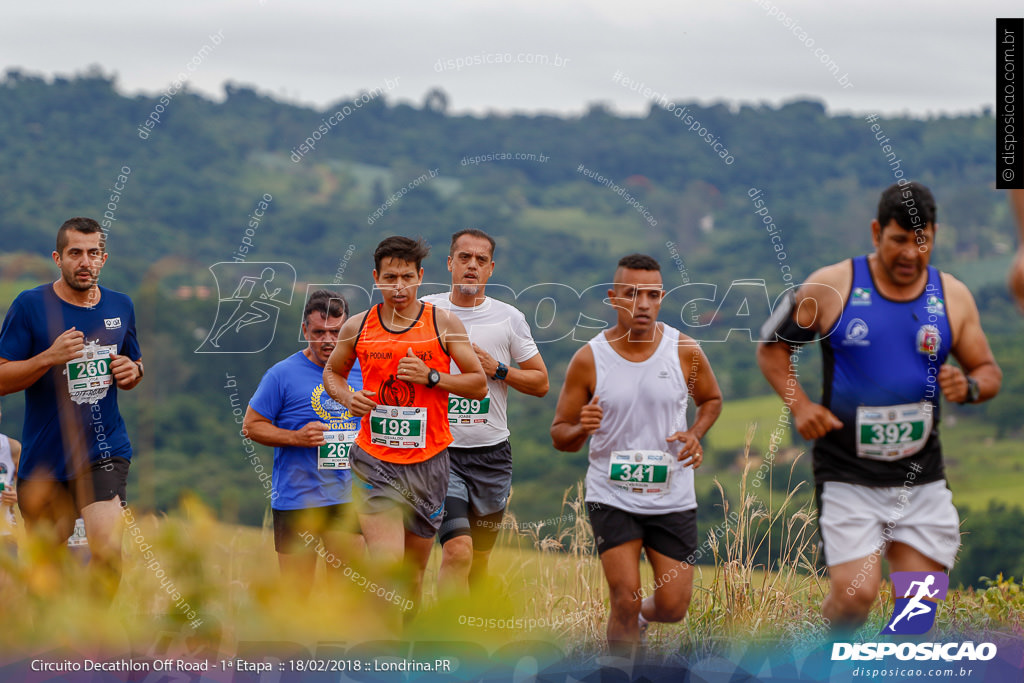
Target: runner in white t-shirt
(480, 476)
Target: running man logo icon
(914, 613)
(246, 320)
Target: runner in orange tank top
(401, 456)
(384, 434)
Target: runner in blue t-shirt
(70, 346)
(311, 434)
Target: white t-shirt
(501, 330)
(644, 403)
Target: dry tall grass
(546, 584)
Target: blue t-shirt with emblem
(89, 414)
(291, 395)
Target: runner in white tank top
(639, 421)
(10, 454)
(628, 390)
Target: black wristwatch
(433, 377)
(501, 372)
(973, 390)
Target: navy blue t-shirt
(65, 429)
(291, 395)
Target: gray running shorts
(481, 476)
(419, 488)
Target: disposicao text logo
(917, 595)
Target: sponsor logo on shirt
(861, 296)
(935, 305)
(112, 323)
(928, 339)
(330, 411)
(856, 333)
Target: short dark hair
(911, 205)
(639, 262)
(401, 248)
(329, 304)
(472, 232)
(86, 226)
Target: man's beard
(468, 290)
(73, 282)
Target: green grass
(730, 430)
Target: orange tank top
(410, 422)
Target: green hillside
(194, 184)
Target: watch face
(434, 377)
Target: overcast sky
(908, 57)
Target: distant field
(730, 431)
(979, 467)
(623, 235)
(9, 290)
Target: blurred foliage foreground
(197, 589)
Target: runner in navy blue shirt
(311, 434)
(70, 346)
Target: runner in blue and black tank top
(884, 353)
(888, 322)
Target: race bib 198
(640, 471)
(333, 455)
(468, 411)
(398, 427)
(893, 432)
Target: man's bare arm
(577, 414)
(970, 348)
